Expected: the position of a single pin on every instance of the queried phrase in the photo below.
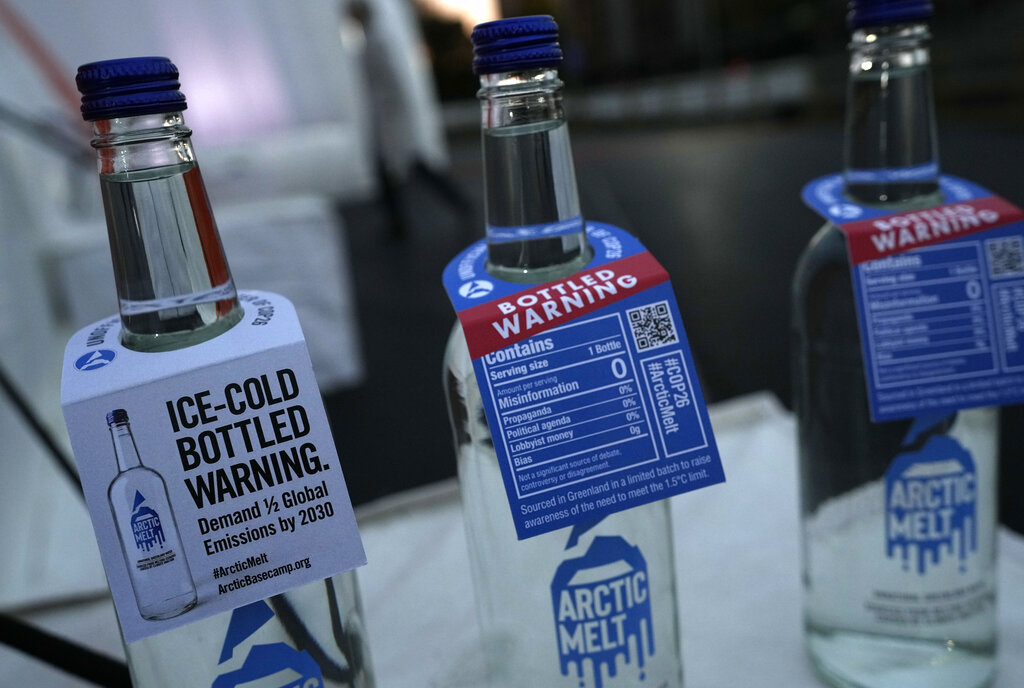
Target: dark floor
(718, 205)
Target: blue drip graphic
(602, 609)
(930, 497)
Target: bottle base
(860, 660)
(177, 607)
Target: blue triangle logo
(244, 622)
(139, 499)
(921, 424)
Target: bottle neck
(891, 153)
(124, 447)
(535, 230)
(174, 287)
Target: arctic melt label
(940, 298)
(588, 385)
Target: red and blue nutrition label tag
(940, 298)
(588, 384)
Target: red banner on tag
(506, 320)
(895, 234)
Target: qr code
(1005, 256)
(652, 326)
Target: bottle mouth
(129, 87)
(117, 416)
(867, 13)
(515, 44)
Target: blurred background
(339, 141)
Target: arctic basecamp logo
(146, 527)
(602, 608)
(931, 500)
(94, 360)
(475, 289)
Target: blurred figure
(403, 111)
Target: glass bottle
(175, 291)
(879, 612)
(173, 284)
(530, 183)
(157, 566)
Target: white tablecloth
(737, 568)
(737, 554)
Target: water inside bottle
(169, 266)
(531, 166)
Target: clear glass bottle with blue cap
(873, 618)
(530, 182)
(173, 284)
(175, 290)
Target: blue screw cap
(117, 416)
(129, 87)
(508, 45)
(865, 13)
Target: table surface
(737, 568)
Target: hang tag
(588, 384)
(939, 295)
(233, 490)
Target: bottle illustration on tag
(279, 664)
(602, 609)
(930, 497)
(152, 549)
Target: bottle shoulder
(459, 382)
(823, 307)
(137, 472)
(456, 353)
(826, 247)
(824, 260)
